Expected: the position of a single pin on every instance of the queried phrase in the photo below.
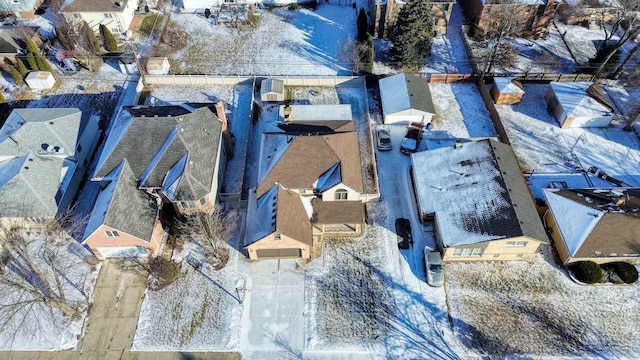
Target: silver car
(383, 137)
(433, 263)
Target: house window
(115, 30)
(187, 204)
(341, 194)
(77, 16)
(203, 200)
(446, 7)
(276, 236)
(468, 252)
(108, 16)
(79, 148)
(303, 191)
(13, 1)
(516, 244)
(111, 233)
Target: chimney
(226, 134)
(457, 144)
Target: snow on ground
(200, 311)
(532, 309)
(448, 53)
(36, 325)
(461, 111)
(307, 43)
(542, 146)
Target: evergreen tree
(362, 25)
(15, 74)
(21, 67)
(369, 56)
(65, 39)
(412, 35)
(43, 64)
(3, 101)
(110, 43)
(31, 47)
(89, 40)
(31, 60)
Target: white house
(115, 14)
(405, 99)
(579, 104)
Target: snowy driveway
(273, 326)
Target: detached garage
(579, 104)
(406, 99)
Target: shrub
(15, 74)
(109, 41)
(587, 272)
(162, 272)
(65, 39)
(627, 272)
(150, 23)
(293, 6)
(22, 68)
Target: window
(187, 204)
(341, 194)
(303, 191)
(446, 7)
(276, 236)
(467, 252)
(79, 148)
(110, 233)
(203, 200)
(13, 1)
(516, 244)
(77, 16)
(115, 30)
(108, 15)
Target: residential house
(579, 104)
(475, 194)
(155, 155)
(506, 91)
(533, 16)
(309, 179)
(21, 9)
(406, 99)
(383, 15)
(117, 15)
(12, 40)
(596, 224)
(44, 154)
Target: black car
(411, 140)
(403, 230)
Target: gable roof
(121, 206)
(281, 210)
(299, 161)
(405, 91)
(476, 192)
(508, 85)
(594, 221)
(154, 138)
(37, 149)
(12, 37)
(337, 212)
(581, 98)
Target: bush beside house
(591, 273)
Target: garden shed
(579, 104)
(40, 80)
(272, 90)
(158, 66)
(506, 91)
(406, 99)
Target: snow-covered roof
(579, 180)
(301, 113)
(597, 222)
(578, 100)
(476, 192)
(508, 85)
(517, 2)
(403, 92)
(101, 6)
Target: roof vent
(117, 4)
(457, 144)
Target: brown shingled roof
(337, 212)
(291, 218)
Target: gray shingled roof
(159, 136)
(94, 6)
(419, 93)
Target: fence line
(302, 80)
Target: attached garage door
(279, 253)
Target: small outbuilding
(158, 66)
(406, 99)
(272, 90)
(40, 80)
(506, 91)
(579, 104)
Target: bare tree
(620, 69)
(354, 53)
(632, 119)
(501, 24)
(35, 269)
(215, 230)
(626, 19)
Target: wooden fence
(234, 80)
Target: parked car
(433, 264)
(383, 137)
(411, 140)
(403, 231)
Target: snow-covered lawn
(461, 111)
(532, 309)
(542, 146)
